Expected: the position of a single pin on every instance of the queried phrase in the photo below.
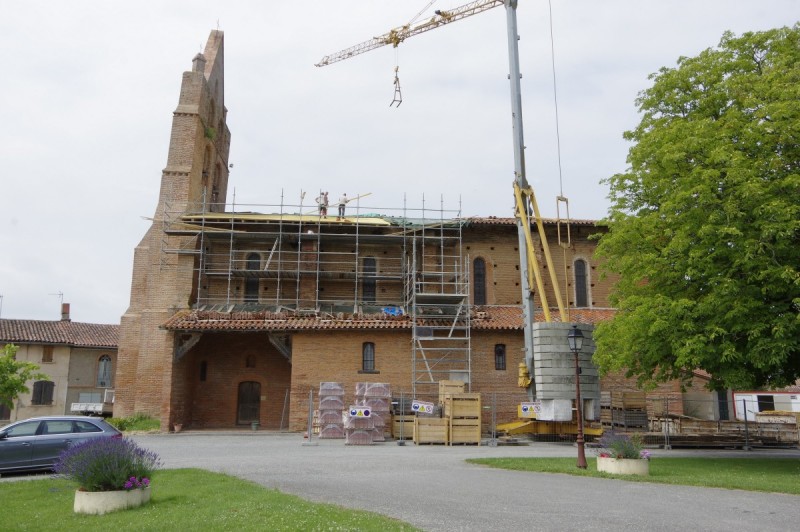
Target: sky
(89, 87)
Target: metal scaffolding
(295, 260)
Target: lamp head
(575, 338)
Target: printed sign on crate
(422, 407)
(360, 411)
(531, 409)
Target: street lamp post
(575, 338)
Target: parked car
(35, 443)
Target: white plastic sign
(360, 411)
(422, 407)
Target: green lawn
(777, 475)
(183, 499)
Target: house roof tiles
(59, 332)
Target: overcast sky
(89, 87)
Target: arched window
(253, 264)
(479, 281)
(368, 356)
(581, 286)
(104, 372)
(368, 282)
(500, 356)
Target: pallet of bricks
(628, 410)
(331, 409)
(376, 398)
(463, 414)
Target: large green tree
(14, 374)
(704, 227)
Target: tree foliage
(704, 226)
(14, 374)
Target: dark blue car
(35, 443)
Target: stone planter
(623, 466)
(101, 502)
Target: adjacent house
(79, 359)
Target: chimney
(65, 312)
(199, 63)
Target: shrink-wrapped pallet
(359, 437)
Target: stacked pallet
(331, 409)
(623, 409)
(463, 414)
(376, 396)
(358, 430)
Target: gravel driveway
(431, 487)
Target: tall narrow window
(42, 393)
(104, 372)
(203, 371)
(368, 282)
(368, 356)
(47, 353)
(253, 264)
(500, 356)
(581, 292)
(479, 281)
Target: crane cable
(424, 9)
(398, 95)
(555, 97)
(561, 197)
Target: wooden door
(249, 402)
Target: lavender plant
(617, 445)
(108, 464)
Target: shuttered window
(43, 393)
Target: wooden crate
(462, 405)
(407, 424)
(465, 431)
(448, 387)
(430, 430)
(629, 400)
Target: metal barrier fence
(668, 420)
(698, 419)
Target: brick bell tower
(149, 378)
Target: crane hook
(398, 96)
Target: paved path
(433, 488)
